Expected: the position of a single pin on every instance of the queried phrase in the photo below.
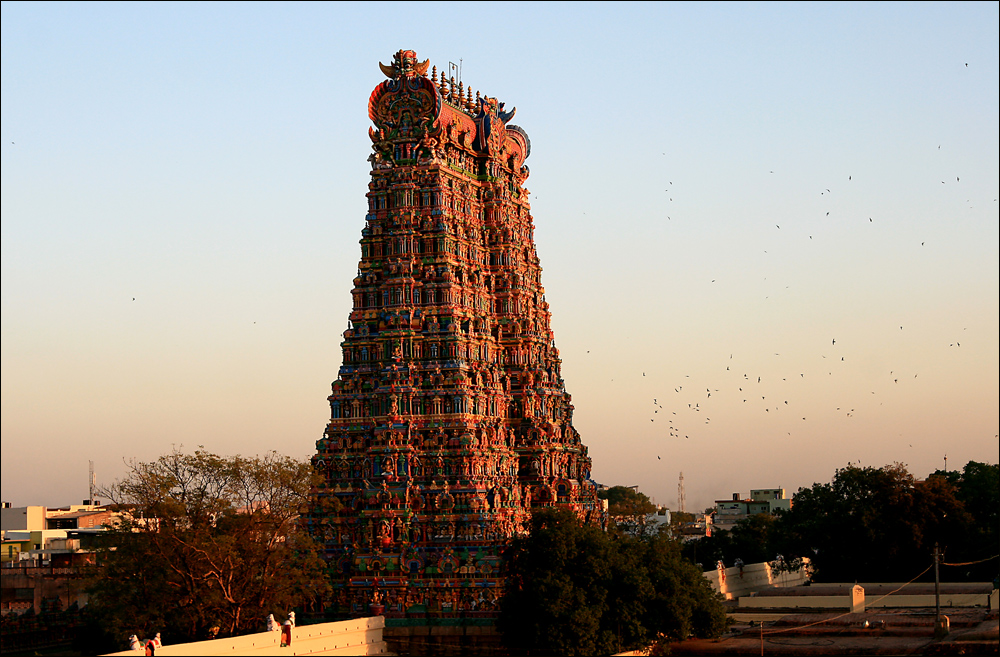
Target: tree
(573, 589)
(627, 509)
(207, 545)
(871, 524)
(977, 487)
(626, 501)
(680, 518)
(750, 540)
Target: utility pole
(941, 623)
(937, 586)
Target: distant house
(45, 554)
(80, 519)
(761, 500)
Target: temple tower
(449, 418)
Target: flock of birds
(756, 391)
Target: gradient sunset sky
(769, 232)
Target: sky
(769, 232)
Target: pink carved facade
(449, 420)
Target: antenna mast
(456, 68)
(93, 484)
(681, 502)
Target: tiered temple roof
(449, 417)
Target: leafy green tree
(575, 590)
(678, 518)
(871, 524)
(750, 540)
(705, 552)
(628, 509)
(207, 545)
(977, 487)
(625, 501)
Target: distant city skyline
(768, 233)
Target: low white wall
(949, 600)
(731, 583)
(854, 601)
(921, 595)
(362, 636)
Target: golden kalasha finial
(434, 74)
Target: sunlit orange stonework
(449, 418)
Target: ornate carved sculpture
(449, 419)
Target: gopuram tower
(449, 420)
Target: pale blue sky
(209, 161)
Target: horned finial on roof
(405, 64)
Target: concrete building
(699, 528)
(761, 500)
(86, 519)
(45, 554)
(26, 518)
(775, 498)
